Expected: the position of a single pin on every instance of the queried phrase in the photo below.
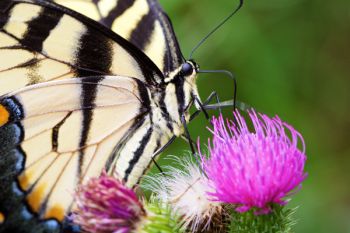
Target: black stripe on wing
(141, 35)
(138, 153)
(41, 28)
(94, 59)
(88, 104)
(117, 11)
(173, 56)
(4, 13)
(55, 132)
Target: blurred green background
(291, 58)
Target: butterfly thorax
(176, 98)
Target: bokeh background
(291, 58)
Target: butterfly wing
(40, 41)
(142, 22)
(54, 136)
(56, 133)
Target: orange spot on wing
(2, 217)
(36, 197)
(4, 115)
(25, 180)
(56, 211)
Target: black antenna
(230, 75)
(216, 28)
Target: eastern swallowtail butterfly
(105, 88)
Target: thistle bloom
(105, 205)
(185, 189)
(254, 169)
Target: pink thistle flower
(254, 169)
(105, 205)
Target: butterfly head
(180, 88)
(187, 72)
(189, 68)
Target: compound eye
(186, 69)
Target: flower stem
(279, 220)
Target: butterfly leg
(187, 134)
(203, 105)
(160, 150)
(211, 97)
(192, 144)
(195, 114)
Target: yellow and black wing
(62, 117)
(41, 41)
(55, 135)
(142, 22)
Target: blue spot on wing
(11, 135)
(14, 107)
(18, 216)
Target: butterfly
(79, 96)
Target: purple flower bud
(105, 205)
(254, 169)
